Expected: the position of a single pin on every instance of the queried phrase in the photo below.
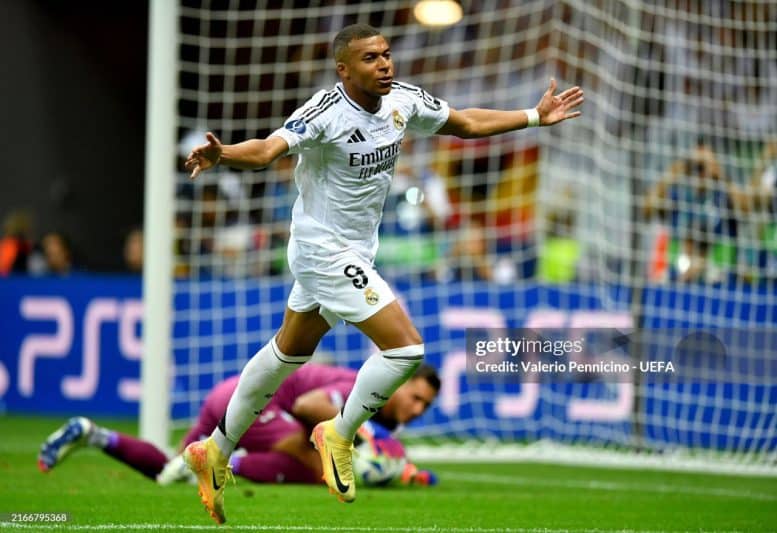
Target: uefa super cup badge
(371, 296)
(399, 120)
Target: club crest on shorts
(399, 120)
(371, 296)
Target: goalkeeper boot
(70, 437)
(336, 459)
(212, 470)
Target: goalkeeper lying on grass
(275, 449)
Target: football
(378, 462)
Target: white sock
(378, 378)
(100, 437)
(259, 380)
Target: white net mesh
(655, 212)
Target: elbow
(469, 130)
(304, 408)
(299, 408)
(313, 407)
(467, 127)
(262, 160)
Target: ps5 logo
(126, 314)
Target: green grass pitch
(102, 495)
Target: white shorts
(343, 284)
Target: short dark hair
(351, 33)
(429, 374)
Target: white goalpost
(161, 122)
(653, 215)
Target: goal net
(651, 218)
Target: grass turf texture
(101, 494)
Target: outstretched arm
(252, 154)
(552, 109)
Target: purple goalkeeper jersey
(275, 421)
(337, 382)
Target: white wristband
(532, 117)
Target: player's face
(410, 400)
(368, 66)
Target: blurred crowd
(682, 118)
(713, 226)
(435, 226)
(671, 177)
(440, 228)
(52, 253)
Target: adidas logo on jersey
(356, 137)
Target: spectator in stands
(15, 243)
(272, 198)
(763, 185)
(559, 255)
(182, 242)
(417, 184)
(417, 210)
(195, 222)
(757, 201)
(57, 254)
(469, 255)
(133, 251)
(695, 197)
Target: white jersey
(346, 162)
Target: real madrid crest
(371, 296)
(399, 120)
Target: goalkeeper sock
(138, 454)
(377, 380)
(259, 380)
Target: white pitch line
(389, 529)
(475, 477)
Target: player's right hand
(204, 156)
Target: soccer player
(347, 141)
(275, 447)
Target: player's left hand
(554, 109)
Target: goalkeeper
(347, 140)
(275, 449)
